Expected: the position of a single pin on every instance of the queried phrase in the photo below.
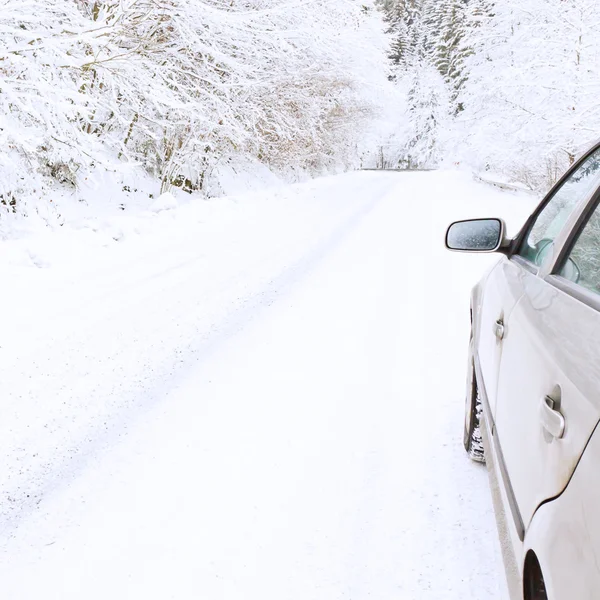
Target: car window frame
(567, 230)
(569, 287)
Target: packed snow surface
(257, 397)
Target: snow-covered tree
(428, 55)
(517, 88)
(179, 86)
(404, 18)
(531, 97)
(451, 50)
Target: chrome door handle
(552, 420)
(499, 330)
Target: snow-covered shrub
(181, 86)
(40, 104)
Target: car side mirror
(475, 235)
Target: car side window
(582, 264)
(578, 186)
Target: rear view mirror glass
(477, 235)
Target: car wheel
(472, 435)
(534, 587)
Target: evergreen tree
(426, 46)
(404, 17)
(451, 50)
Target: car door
(504, 285)
(548, 400)
(499, 295)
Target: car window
(579, 185)
(582, 265)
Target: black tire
(534, 587)
(472, 436)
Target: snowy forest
(178, 88)
(504, 86)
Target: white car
(533, 393)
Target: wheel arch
(534, 585)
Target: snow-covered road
(248, 399)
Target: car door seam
(557, 496)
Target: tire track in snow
(31, 478)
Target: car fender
(565, 533)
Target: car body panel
(497, 299)
(565, 533)
(544, 350)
